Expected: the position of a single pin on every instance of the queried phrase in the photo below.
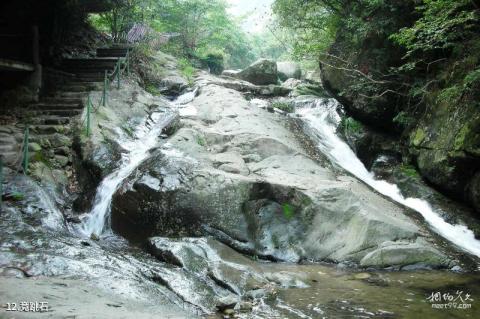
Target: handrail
(122, 66)
(89, 103)
(26, 138)
(116, 75)
(1, 181)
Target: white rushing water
(321, 115)
(184, 106)
(98, 220)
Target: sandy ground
(74, 299)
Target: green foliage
(442, 45)
(438, 40)
(42, 158)
(201, 141)
(443, 23)
(16, 196)
(272, 43)
(122, 16)
(188, 71)
(350, 126)
(152, 89)
(283, 106)
(205, 31)
(201, 29)
(472, 79)
(409, 170)
(451, 94)
(128, 130)
(403, 119)
(214, 61)
(310, 89)
(313, 24)
(288, 210)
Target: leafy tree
(201, 30)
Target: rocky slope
(223, 192)
(236, 172)
(439, 135)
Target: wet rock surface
(262, 72)
(272, 186)
(214, 208)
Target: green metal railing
(26, 155)
(23, 157)
(122, 66)
(1, 181)
(89, 107)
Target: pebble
(255, 294)
(229, 312)
(362, 275)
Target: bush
(283, 106)
(214, 62)
(350, 126)
(188, 71)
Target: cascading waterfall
(98, 220)
(322, 117)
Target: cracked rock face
(212, 276)
(237, 173)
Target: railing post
(89, 103)
(118, 73)
(25, 151)
(1, 181)
(104, 98)
(128, 62)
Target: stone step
(61, 112)
(81, 86)
(89, 68)
(94, 77)
(5, 148)
(6, 129)
(112, 52)
(74, 68)
(51, 120)
(56, 106)
(71, 95)
(10, 158)
(73, 88)
(6, 137)
(87, 81)
(90, 61)
(55, 140)
(50, 129)
(62, 100)
(90, 71)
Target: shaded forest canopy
(392, 48)
(198, 30)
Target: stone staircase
(51, 119)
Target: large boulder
(313, 77)
(446, 145)
(237, 173)
(289, 70)
(230, 79)
(231, 73)
(262, 72)
(173, 85)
